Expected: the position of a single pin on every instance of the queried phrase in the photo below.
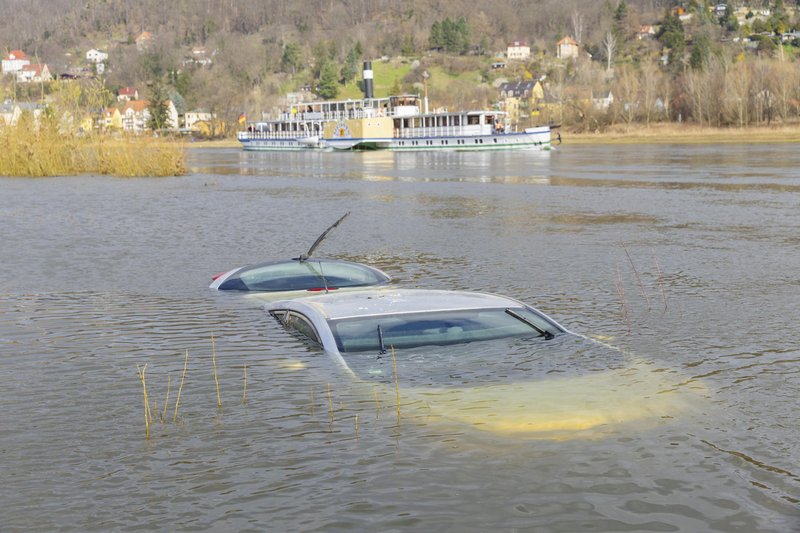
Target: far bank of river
(684, 134)
(670, 133)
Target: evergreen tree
(328, 81)
(728, 20)
(290, 60)
(435, 39)
(700, 52)
(350, 67)
(158, 108)
(671, 36)
(621, 12)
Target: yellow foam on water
(554, 407)
(291, 364)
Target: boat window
(473, 120)
(411, 330)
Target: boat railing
(345, 114)
(444, 131)
(256, 135)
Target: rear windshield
(410, 330)
(303, 275)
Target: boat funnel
(368, 87)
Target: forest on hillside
(258, 50)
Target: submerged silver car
(488, 360)
(300, 275)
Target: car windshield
(303, 275)
(409, 330)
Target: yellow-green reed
(660, 281)
(180, 388)
(42, 147)
(330, 402)
(396, 385)
(141, 372)
(244, 393)
(166, 401)
(216, 380)
(638, 278)
(377, 404)
(356, 425)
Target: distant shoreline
(684, 134)
(639, 134)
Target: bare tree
(651, 79)
(737, 102)
(577, 25)
(610, 46)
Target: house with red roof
(567, 48)
(34, 73)
(126, 94)
(14, 61)
(135, 115)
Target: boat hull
(532, 138)
(279, 144)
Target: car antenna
(380, 340)
(305, 256)
(322, 275)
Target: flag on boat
(242, 118)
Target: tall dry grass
(37, 150)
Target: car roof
(371, 302)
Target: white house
(567, 48)
(35, 73)
(190, 118)
(603, 101)
(96, 56)
(10, 112)
(518, 50)
(126, 94)
(14, 61)
(135, 115)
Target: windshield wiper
(543, 332)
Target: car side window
(300, 324)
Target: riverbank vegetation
(57, 140)
(42, 150)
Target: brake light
(214, 278)
(320, 289)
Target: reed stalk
(638, 278)
(660, 282)
(377, 404)
(396, 385)
(166, 401)
(216, 380)
(244, 393)
(141, 372)
(356, 426)
(623, 301)
(330, 402)
(183, 376)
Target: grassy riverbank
(683, 134)
(37, 152)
